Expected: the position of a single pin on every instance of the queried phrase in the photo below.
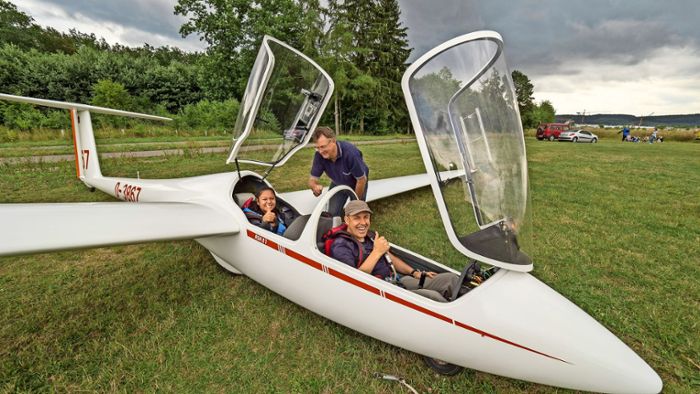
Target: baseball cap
(356, 206)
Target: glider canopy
(283, 102)
(465, 114)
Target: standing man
(654, 133)
(342, 162)
(625, 133)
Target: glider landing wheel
(441, 367)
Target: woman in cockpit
(263, 211)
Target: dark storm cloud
(540, 35)
(545, 36)
(624, 56)
(150, 16)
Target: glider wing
(304, 201)
(35, 228)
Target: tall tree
(19, 29)
(312, 35)
(15, 26)
(524, 91)
(392, 58)
(337, 47)
(234, 29)
(544, 113)
(378, 50)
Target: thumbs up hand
(381, 245)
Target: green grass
(616, 230)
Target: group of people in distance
(628, 137)
(361, 247)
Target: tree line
(361, 43)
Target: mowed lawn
(616, 229)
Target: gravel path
(166, 152)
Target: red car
(551, 131)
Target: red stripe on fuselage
(389, 296)
(304, 259)
(353, 281)
(486, 334)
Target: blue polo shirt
(347, 168)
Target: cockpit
(463, 109)
(283, 101)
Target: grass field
(616, 230)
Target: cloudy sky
(597, 56)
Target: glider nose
(651, 382)
(564, 346)
(623, 371)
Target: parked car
(550, 131)
(578, 136)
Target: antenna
(641, 118)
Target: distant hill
(690, 120)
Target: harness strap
(423, 275)
(334, 233)
(248, 202)
(339, 231)
(395, 275)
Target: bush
(56, 119)
(108, 94)
(8, 136)
(22, 116)
(208, 115)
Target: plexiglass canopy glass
(465, 114)
(282, 104)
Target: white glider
(463, 109)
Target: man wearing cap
(375, 250)
(342, 162)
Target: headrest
(242, 198)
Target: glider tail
(87, 163)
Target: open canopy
(464, 111)
(283, 101)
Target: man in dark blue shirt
(342, 162)
(625, 133)
(375, 256)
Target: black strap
(422, 279)
(238, 168)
